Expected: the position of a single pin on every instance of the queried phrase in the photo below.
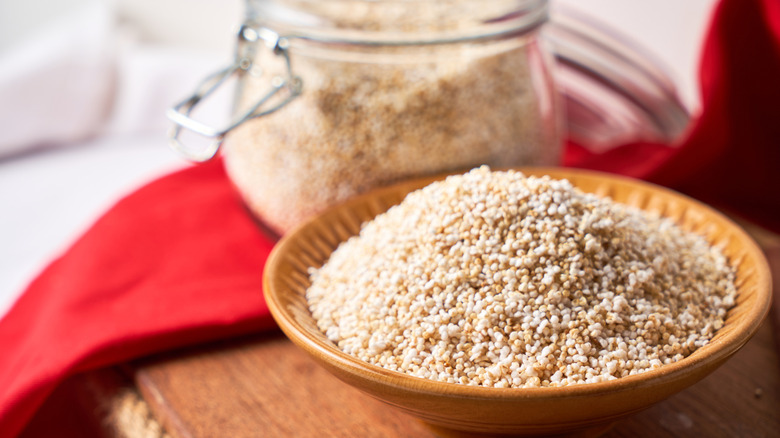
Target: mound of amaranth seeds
(502, 280)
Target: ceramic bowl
(452, 409)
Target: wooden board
(265, 386)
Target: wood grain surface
(260, 386)
(265, 386)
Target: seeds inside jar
(373, 114)
(501, 280)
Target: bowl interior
(286, 280)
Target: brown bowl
(453, 409)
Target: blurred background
(84, 85)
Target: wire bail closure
(179, 114)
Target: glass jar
(340, 96)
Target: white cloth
(40, 80)
(82, 111)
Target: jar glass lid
(615, 92)
(397, 22)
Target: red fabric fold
(180, 260)
(177, 262)
(730, 157)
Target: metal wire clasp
(179, 114)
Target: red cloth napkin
(180, 260)
(177, 262)
(731, 155)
